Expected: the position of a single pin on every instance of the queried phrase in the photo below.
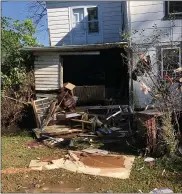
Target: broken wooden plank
(81, 121)
(37, 119)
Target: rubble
(61, 123)
(97, 163)
(60, 118)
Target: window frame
(167, 14)
(162, 61)
(98, 20)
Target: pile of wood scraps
(58, 118)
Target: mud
(99, 161)
(15, 170)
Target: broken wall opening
(92, 73)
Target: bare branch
(37, 11)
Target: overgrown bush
(17, 78)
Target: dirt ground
(16, 154)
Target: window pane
(92, 13)
(175, 6)
(78, 19)
(78, 14)
(170, 59)
(93, 27)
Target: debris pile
(59, 121)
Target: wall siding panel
(59, 21)
(47, 75)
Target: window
(173, 8)
(171, 60)
(78, 19)
(93, 20)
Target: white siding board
(65, 40)
(57, 18)
(144, 3)
(59, 22)
(46, 69)
(111, 9)
(147, 17)
(46, 74)
(111, 22)
(59, 26)
(57, 14)
(60, 30)
(146, 9)
(51, 75)
(43, 89)
(149, 24)
(58, 35)
(54, 10)
(51, 79)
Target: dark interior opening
(108, 69)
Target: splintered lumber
(55, 108)
(81, 121)
(37, 119)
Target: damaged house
(88, 49)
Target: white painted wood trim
(81, 53)
(70, 24)
(61, 72)
(70, 9)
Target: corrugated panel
(47, 72)
(90, 93)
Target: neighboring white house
(89, 22)
(147, 19)
(88, 26)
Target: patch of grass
(16, 154)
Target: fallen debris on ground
(59, 121)
(162, 190)
(99, 164)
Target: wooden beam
(80, 53)
(61, 72)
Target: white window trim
(162, 49)
(70, 10)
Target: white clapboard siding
(145, 14)
(59, 21)
(147, 17)
(144, 3)
(47, 72)
(145, 9)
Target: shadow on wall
(83, 32)
(79, 34)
